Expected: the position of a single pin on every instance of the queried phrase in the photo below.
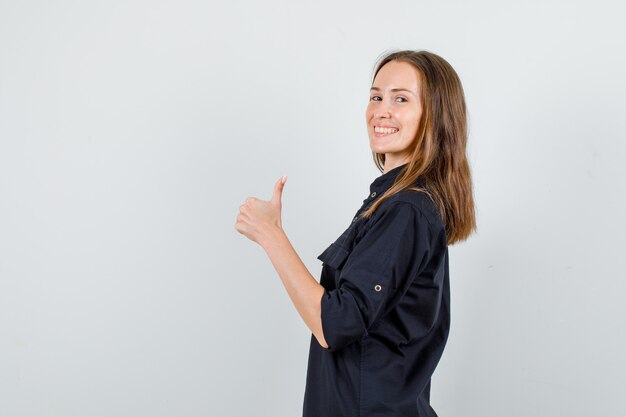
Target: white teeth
(385, 130)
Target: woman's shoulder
(421, 201)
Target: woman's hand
(259, 219)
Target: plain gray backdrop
(132, 131)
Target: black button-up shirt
(385, 311)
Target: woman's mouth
(384, 131)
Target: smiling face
(394, 111)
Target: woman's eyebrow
(393, 90)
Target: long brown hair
(439, 150)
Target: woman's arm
(260, 221)
(304, 290)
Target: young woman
(380, 315)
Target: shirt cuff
(342, 322)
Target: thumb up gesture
(258, 218)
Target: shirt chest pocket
(334, 256)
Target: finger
(278, 189)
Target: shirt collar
(385, 181)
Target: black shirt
(385, 310)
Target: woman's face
(394, 112)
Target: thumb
(278, 190)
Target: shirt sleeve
(380, 266)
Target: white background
(131, 131)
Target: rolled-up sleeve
(383, 263)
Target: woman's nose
(382, 110)
(380, 113)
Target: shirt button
(378, 287)
(373, 194)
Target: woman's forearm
(304, 290)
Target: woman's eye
(401, 98)
(374, 98)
